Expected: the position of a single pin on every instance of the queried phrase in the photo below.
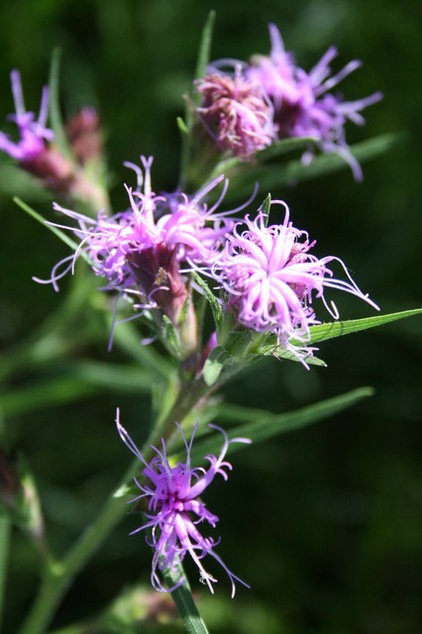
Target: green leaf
(60, 137)
(276, 174)
(232, 165)
(170, 335)
(182, 125)
(184, 600)
(194, 99)
(283, 354)
(57, 232)
(265, 425)
(284, 147)
(324, 332)
(204, 50)
(217, 311)
(266, 206)
(76, 381)
(213, 366)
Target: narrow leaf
(232, 165)
(266, 206)
(205, 49)
(55, 111)
(267, 425)
(217, 311)
(324, 332)
(81, 380)
(58, 232)
(276, 174)
(284, 147)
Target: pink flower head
(175, 509)
(33, 134)
(271, 276)
(236, 111)
(302, 104)
(144, 250)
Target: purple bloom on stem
(236, 112)
(175, 509)
(146, 251)
(271, 276)
(33, 133)
(302, 104)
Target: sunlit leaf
(324, 332)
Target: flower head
(303, 107)
(147, 251)
(175, 508)
(236, 111)
(271, 277)
(33, 132)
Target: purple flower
(236, 112)
(145, 251)
(271, 276)
(33, 134)
(302, 104)
(175, 509)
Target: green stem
(182, 596)
(59, 575)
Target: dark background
(326, 523)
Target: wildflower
(141, 247)
(236, 112)
(33, 134)
(303, 107)
(271, 276)
(34, 150)
(175, 509)
(147, 251)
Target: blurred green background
(325, 524)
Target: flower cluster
(172, 493)
(272, 98)
(267, 273)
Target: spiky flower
(33, 133)
(271, 277)
(37, 153)
(303, 105)
(146, 252)
(172, 493)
